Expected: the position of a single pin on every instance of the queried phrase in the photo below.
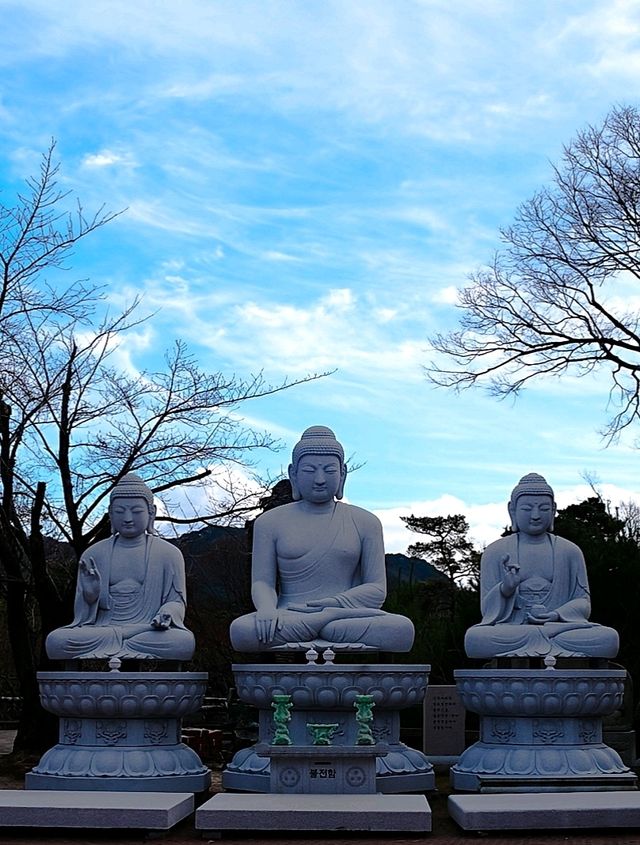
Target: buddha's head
(131, 508)
(317, 470)
(532, 505)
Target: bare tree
(547, 305)
(72, 424)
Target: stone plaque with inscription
(444, 718)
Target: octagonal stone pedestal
(326, 693)
(121, 732)
(541, 731)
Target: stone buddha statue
(130, 596)
(534, 592)
(318, 566)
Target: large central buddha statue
(318, 565)
(130, 596)
(534, 593)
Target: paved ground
(445, 831)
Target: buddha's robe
(347, 564)
(504, 630)
(118, 623)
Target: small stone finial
(328, 655)
(550, 662)
(311, 655)
(114, 664)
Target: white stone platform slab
(234, 811)
(38, 808)
(546, 810)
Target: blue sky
(306, 184)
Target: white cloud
(486, 521)
(274, 255)
(443, 73)
(447, 296)
(107, 158)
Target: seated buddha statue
(318, 565)
(130, 597)
(534, 592)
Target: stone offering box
(323, 770)
(121, 731)
(325, 693)
(541, 730)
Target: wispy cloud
(308, 185)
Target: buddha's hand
(511, 577)
(267, 623)
(538, 615)
(89, 579)
(315, 605)
(161, 621)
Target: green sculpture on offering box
(364, 705)
(322, 734)
(281, 705)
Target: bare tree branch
(548, 305)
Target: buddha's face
(129, 516)
(534, 514)
(319, 477)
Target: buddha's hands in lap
(538, 615)
(89, 579)
(161, 621)
(267, 623)
(315, 605)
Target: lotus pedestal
(121, 732)
(325, 693)
(541, 731)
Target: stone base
(157, 811)
(120, 731)
(323, 770)
(547, 811)
(169, 784)
(541, 731)
(324, 693)
(399, 813)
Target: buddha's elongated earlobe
(343, 478)
(153, 510)
(295, 491)
(512, 513)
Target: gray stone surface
(550, 811)
(228, 811)
(61, 809)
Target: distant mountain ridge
(402, 569)
(214, 540)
